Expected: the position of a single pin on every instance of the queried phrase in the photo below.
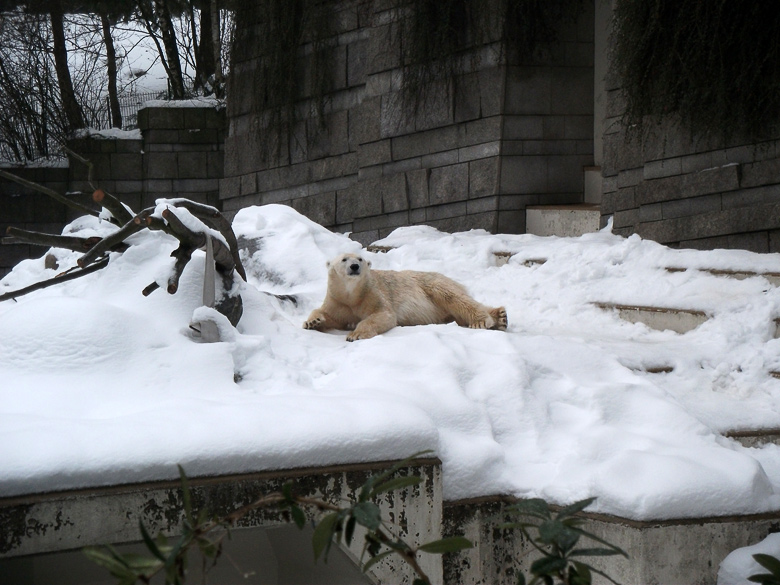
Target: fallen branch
(109, 242)
(71, 274)
(50, 192)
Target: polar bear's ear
(368, 263)
(327, 264)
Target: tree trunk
(70, 105)
(113, 96)
(165, 23)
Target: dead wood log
(71, 274)
(50, 192)
(107, 243)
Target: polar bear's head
(349, 266)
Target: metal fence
(128, 105)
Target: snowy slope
(101, 385)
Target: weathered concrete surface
(674, 552)
(68, 520)
(562, 220)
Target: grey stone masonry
(690, 192)
(471, 154)
(179, 152)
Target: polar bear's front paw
(500, 318)
(314, 323)
(355, 335)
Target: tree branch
(76, 244)
(114, 206)
(108, 243)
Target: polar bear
(370, 302)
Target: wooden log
(108, 242)
(74, 243)
(121, 214)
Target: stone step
(755, 437)
(562, 220)
(659, 318)
(772, 277)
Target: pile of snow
(739, 565)
(101, 385)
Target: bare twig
(71, 274)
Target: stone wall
(177, 152)
(473, 155)
(687, 192)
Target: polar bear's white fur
(370, 302)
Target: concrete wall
(473, 155)
(179, 153)
(687, 192)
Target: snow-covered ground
(100, 385)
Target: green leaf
(567, 539)
(323, 533)
(764, 579)
(287, 492)
(579, 574)
(298, 516)
(367, 514)
(446, 545)
(591, 536)
(520, 578)
(375, 559)
(421, 582)
(548, 565)
(395, 484)
(107, 561)
(769, 562)
(186, 495)
(150, 544)
(550, 531)
(575, 507)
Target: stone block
(479, 131)
(248, 184)
(467, 97)
(197, 136)
(754, 196)
(524, 127)
(193, 165)
(478, 151)
(229, 187)
(393, 118)
(436, 107)
(359, 200)
(448, 184)
(482, 205)
(483, 177)
(374, 153)
(320, 208)
(528, 91)
(692, 206)
(161, 118)
(491, 101)
(161, 165)
(696, 162)
(524, 175)
(761, 173)
(383, 50)
(554, 127)
(578, 127)
(448, 210)
(571, 91)
(511, 222)
(651, 212)
(439, 159)
(357, 53)
(394, 194)
(565, 174)
(658, 169)
(417, 188)
(691, 185)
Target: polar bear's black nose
(354, 267)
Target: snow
(101, 385)
(739, 565)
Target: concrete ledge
(680, 552)
(659, 318)
(772, 277)
(61, 521)
(756, 437)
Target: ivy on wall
(713, 64)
